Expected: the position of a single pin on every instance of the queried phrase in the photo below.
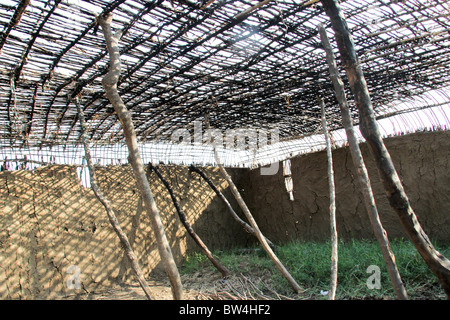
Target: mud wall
(421, 159)
(49, 222)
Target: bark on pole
(361, 170)
(255, 227)
(224, 271)
(333, 230)
(395, 192)
(134, 261)
(233, 213)
(110, 85)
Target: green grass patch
(309, 264)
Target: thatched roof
(183, 60)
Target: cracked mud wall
(422, 161)
(49, 222)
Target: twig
(249, 10)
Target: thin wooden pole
(395, 192)
(110, 85)
(21, 7)
(255, 227)
(134, 261)
(333, 229)
(223, 270)
(253, 8)
(233, 213)
(361, 170)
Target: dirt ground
(204, 285)
(49, 222)
(207, 284)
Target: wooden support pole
(395, 192)
(333, 230)
(361, 170)
(134, 261)
(110, 85)
(224, 271)
(233, 213)
(255, 227)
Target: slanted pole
(255, 227)
(110, 85)
(395, 192)
(333, 229)
(223, 270)
(134, 261)
(233, 213)
(361, 170)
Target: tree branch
(361, 170)
(255, 227)
(333, 231)
(110, 85)
(134, 261)
(233, 213)
(223, 270)
(395, 192)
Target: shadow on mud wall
(54, 231)
(49, 223)
(204, 210)
(421, 160)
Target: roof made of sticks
(237, 63)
